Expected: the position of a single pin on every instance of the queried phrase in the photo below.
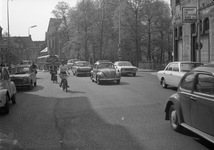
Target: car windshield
(105, 65)
(124, 64)
(185, 67)
(82, 64)
(22, 70)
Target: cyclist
(63, 68)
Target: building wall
(185, 38)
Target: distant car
(125, 67)
(71, 62)
(23, 76)
(81, 68)
(7, 90)
(105, 71)
(192, 107)
(174, 71)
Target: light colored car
(23, 76)
(125, 67)
(71, 62)
(81, 68)
(192, 106)
(105, 71)
(7, 90)
(174, 71)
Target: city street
(111, 116)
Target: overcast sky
(26, 13)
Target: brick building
(185, 34)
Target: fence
(152, 65)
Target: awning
(44, 50)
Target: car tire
(134, 74)
(6, 107)
(173, 117)
(36, 83)
(31, 85)
(163, 83)
(13, 99)
(118, 81)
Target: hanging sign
(189, 14)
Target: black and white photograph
(106, 74)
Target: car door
(202, 103)
(6, 80)
(185, 94)
(167, 74)
(175, 76)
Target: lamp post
(8, 35)
(31, 27)
(199, 31)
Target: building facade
(185, 34)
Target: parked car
(104, 70)
(23, 76)
(81, 68)
(174, 71)
(71, 62)
(7, 90)
(125, 67)
(192, 107)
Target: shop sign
(189, 14)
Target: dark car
(104, 70)
(81, 68)
(192, 106)
(23, 76)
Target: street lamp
(8, 34)
(31, 27)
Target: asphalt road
(128, 116)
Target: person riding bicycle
(63, 68)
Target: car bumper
(109, 79)
(128, 72)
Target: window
(180, 32)
(187, 82)
(176, 32)
(176, 68)
(206, 24)
(205, 84)
(169, 68)
(193, 28)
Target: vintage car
(125, 67)
(23, 76)
(7, 90)
(71, 62)
(174, 71)
(192, 107)
(81, 68)
(105, 71)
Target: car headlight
(25, 79)
(100, 74)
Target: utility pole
(198, 31)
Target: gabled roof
(53, 25)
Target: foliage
(92, 29)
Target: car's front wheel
(6, 106)
(13, 99)
(31, 85)
(134, 74)
(163, 83)
(173, 117)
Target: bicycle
(64, 82)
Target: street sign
(189, 14)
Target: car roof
(103, 61)
(207, 68)
(81, 62)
